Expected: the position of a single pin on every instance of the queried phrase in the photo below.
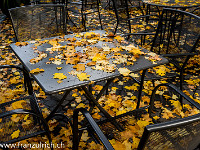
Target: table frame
(21, 53)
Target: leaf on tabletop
(21, 43)
(92, 63)
(37, 70)
(83, 76)
(79, 67)
(72, 61)
(59, 68)
(59, 76)
(124, 71)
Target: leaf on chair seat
(15, 134)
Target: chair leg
(181, 85)
(99, 14)
(141, 87)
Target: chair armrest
(94, 126)
(21, 111)
(171, 86)
(12, 66)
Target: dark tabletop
(50, 85)
(174, 3)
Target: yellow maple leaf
(59, 68)
(18, 104)
(37, 70)
(59, 76)
(21, 43)
(79, 67)
(124, 71)
(83, 76)
(15, 134)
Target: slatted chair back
(178, 32)
(182, 134)
(38, 21)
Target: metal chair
(126, 8)
(21, 118)
(85, 7)
(92, 127)
(183, 133)
(38, 21)
(176, 38)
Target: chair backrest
(177, 32)
(181, 133)
(38, 21)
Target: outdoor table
(50, 85)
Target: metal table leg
(58, 105)
(107, 115)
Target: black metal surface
(185, 134)
(38, 21)
(50, 85)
